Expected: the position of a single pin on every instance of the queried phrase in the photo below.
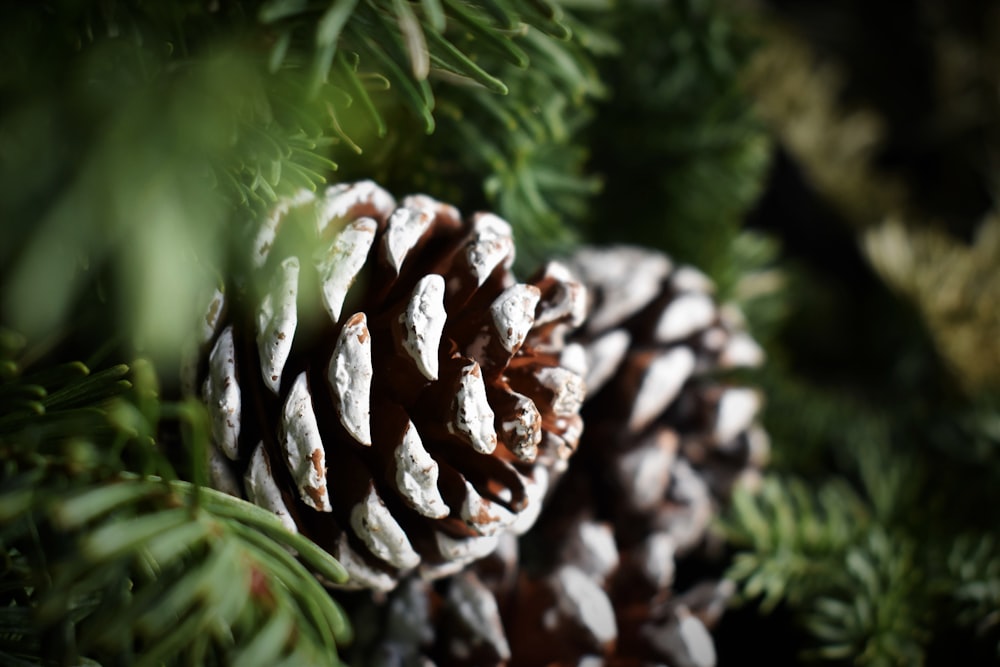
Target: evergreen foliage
(107, 566)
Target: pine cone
(384, 385)
(595, 580)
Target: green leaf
(332, 23)
(274, 10)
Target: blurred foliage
(681, 152)
(155, 133)
(107, 566)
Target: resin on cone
(380, 380)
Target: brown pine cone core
(383, 383)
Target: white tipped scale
(338, 200)
(735, 413)
(492, 244)
(686, 519)
(350, 376)
(624, 279)
(262, 490)
(438, 208)
(684, 316)
(514, 314)
(406, 226)
(570, 303)
(690, 279)
(741, 351)
(339, 266)
(220, 475)
(759, 444)
(360, 574)
(604, 356)
(655, 557)
(473, 420)
(523, 431)
(423, 323)
(592, 548)
(566, 387)
(276, 322)
(266, 234)
(222, 394)
(714, 339)
(303, 446)
(484, 516)
(208, 323)
(465, 549)
(381, 533)
(685, 642)
(476, 608)
(644, 472)
(210, 320)
(535, 488)
(660, 385)
(574, 357)
(581, 599)
(417, 476)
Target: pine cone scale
(389, 367)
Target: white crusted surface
(584, 601)
(523, 431)
(406, 226)
(417, 476)
(381, 533)
(604, 356)
(741, 351)
(684, 316)
(264, 239)
(624, 278)
(760, 446)
(222, 394)
(535, 488)
(339, 199)
(466, 549)
(262, 490)
(220, 475)
(598, 553)
(492, 243)
(476, 606)
(690, 279)
(574, 357)
(660, 385)
(210, 321)
(350, 376)
(276, 322)
(644, 472)
(482, 515)
(423, 322)
(473, 414)
(688, 521)
(361, 574)
(514, 314)
(438, 208)
(340, 264)
(303, 446)
(566, 387)
(737, 409)
(687, 642)
(571, 301)
(656, 557)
